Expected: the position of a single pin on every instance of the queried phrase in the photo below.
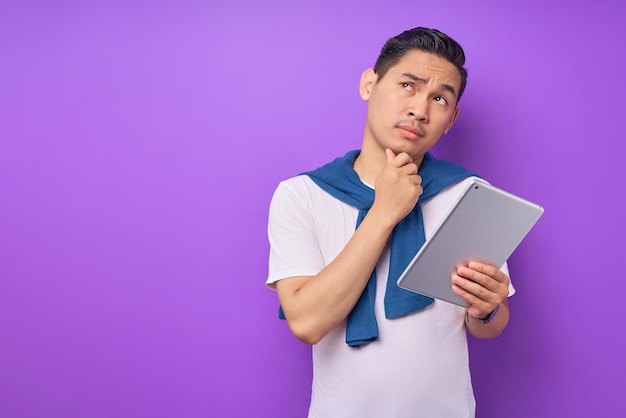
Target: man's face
(412, 105)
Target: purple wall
(140, 143)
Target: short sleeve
(505, 269)
(294, 248)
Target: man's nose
(418, 110)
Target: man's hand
(483, 286)
(398, 187)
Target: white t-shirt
(419, 365)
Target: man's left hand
(483, 286)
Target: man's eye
(441, 100)
(407, 86)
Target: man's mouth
(414, 131)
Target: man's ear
(453, 119)
(368, 79)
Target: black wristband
(489, 317)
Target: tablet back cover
(485, 223)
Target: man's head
(423, 39)
(412, 93)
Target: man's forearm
(314, 306)
(492, 329)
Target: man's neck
(370, 163)
(368, 166)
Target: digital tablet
(485, 223)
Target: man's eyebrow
(443, 86)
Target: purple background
(141, 143)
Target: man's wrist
(487, 319)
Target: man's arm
(314, 305)
(484, 287)
(492, 329)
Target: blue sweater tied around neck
(339, 179)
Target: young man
(341, 235)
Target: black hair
(423, 39)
